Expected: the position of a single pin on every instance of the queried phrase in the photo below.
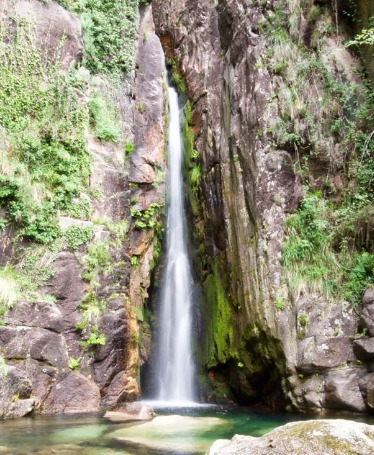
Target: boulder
(343, 391)
(15, 393)
(367, 389)
(40, 314)
(131, 411)
(123, 387)
(320, 353)
(72, 393)
(314, 437)
(366, 321)
(37, 343)
(364, 348)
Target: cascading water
(175, 360)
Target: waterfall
(175, 362)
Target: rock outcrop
(304, 438)
(258, 339)
(81, 353)
(52, 26)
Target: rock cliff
(279, 181)
(265, 80)
(73, 287)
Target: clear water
(178, 431)
(174, 361)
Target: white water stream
(175, 360)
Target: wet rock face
(303, 351)
(246, 186)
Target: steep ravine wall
(260, 340)
(73, 332)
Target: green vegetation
(148, 218)
(320, 253)
(191, 164)
(74, 363)
(109, 31)
(320, 112)
(220, 325)
(93, 340)
(44, 159)
(23, 280)
(176, 77)
(77, 235)
(103, 118)
(365, 37)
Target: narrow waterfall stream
(175, 360)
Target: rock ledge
(313, 437)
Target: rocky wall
(82, 352)
(252, 347)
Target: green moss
(221, 322)
(191, 165)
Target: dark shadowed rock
(367, 389)
(315, 437)
(368, 297)
(366, 321)
(72, 393)
(364, 348)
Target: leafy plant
(366, 36)
(109, 32)
(93, 340)
(145, 219)
(77, 235)
(106, 125)
(74, 363)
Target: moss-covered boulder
(313, 437)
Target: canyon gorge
(277, 131)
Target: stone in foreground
(313, 437)
(130, 412)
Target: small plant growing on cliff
(93, 340)
(279, 301)
(77, 235)
(141, 107)
(9, 288)
(74, 363)
(147, 219)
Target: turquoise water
(182, 431)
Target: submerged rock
(130, 412)
(174, 433)
(313, 437)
